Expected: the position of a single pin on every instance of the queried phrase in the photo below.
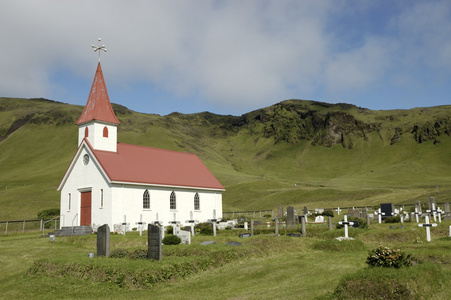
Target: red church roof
(145, 165)
(98, 106)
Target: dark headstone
(208, 243)
(305, 210)
(355, 224)
(103, 240)
(291, 222)
(242, 219)
(154, 242)
(447, 207)
(233, 244)
(244, 235)
(388, 209)
(431, 201)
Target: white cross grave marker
(428, 227)
(124, 224)
(416, 214)
(433, 211)
(439, 214)
(346, 223)
(140, 224)
(379, 214)
(338, 210)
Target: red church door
(85, 209)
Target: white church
(114, 183)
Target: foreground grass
(264, 267)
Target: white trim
(165, 186)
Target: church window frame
(101, 198)
(69, 202)
(172, 201)
(196, 201)
(105, 132)
(86, 132)
(146, 199)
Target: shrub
(138, 253)
(393, 219)
(389, 258)
(171, 240)
(204, 228)
(119, 253)
(49, 213)
(328, 213)
(267, 216)
(169, 230)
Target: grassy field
(264, 267)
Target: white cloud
(232, 53)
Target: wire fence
(27, 226)
(248, 214)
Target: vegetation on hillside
(295, 152)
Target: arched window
(86, 132)
(146, 200)
(172, 201)
(101, 198)
(105, 132)
(196, 202)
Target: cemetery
(135, 263)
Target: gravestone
(280, 211)
(428, 226)
(103, 240)
(153, 242)
(447, 208)
(431, 203)
(208, 243)
(329, 223)
(233, 244)
(319, 210)
(291, 222)
(319, 219)
(417, 206)
(354, 213)
(305, 210)
(346, 224)
(303, 229)
(185, 236)
(364, 213)
(294, 234)
(387, 210)
(244, 235)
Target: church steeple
(98, 123)
(98, 107)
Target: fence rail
(22, 226)
(247, 214)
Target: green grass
(264, 267)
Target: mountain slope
(292, 153)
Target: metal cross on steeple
(99, 48)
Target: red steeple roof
(98, 107)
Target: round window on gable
(86, 159)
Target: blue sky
(229, 57)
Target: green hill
(292, 153)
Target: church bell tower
(98, 123)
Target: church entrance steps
(73, 230)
